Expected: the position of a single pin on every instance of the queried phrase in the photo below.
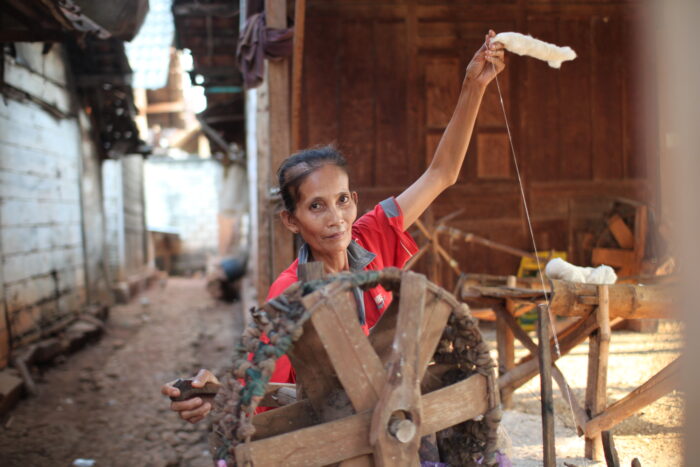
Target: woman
(320, 207)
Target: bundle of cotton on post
(560, 269)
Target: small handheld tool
(188, 392)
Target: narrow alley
(104, 402)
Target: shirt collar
(358, 257)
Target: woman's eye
(315, 206)
(344, 199)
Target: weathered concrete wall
(113, 194)
(134, 214)
(98, 286)
(43, 265)
(124, 217)
(183, 196)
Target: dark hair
(298, 166)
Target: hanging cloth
(258, 42)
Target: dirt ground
(654, 435)
(103, 402)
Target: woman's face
(325, 211)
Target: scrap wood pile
(633, 242)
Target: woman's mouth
(335, 236)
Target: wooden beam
(596, 386)
(623, 235)
(472, 238)
(284, 419)
(546, 398)
(165, 107)
(611, 458)
(279, 395)
(439, 250)
(435, 319)
(505, 342)
(279, 138)
(657, 386)
(626, 300)
(640, 235)
(527, 368)
(454, 404)
(298, 71)
(335, 441)
(315, 374)
(614, 257)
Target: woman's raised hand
(195, 409)
(491, 55)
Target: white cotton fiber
(528, 45)
(560, 269)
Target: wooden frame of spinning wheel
(367, 399)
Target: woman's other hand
(491, 55)
(195, 409)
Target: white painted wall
(97, 280)
(122, 182)
(113, 199)
(43, 276)
(182, 195)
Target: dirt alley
(104, 402)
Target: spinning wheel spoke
(397, 417)
(354, 360)
(314, 370)
(434, 319)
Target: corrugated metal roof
(149, 52)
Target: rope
(532, 236)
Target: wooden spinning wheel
(368, 400)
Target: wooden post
(297, 71)
(505, 342)
(547, 402)
(599, 346)
(281, 250)
(579, 414)
(611, 458)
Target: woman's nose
(335, 215)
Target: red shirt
(379, 241)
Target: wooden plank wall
(381, 80)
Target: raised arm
(449, 156)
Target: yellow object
(528, 266)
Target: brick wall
(43, 273)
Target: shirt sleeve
(280, 284)
(381, 231)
